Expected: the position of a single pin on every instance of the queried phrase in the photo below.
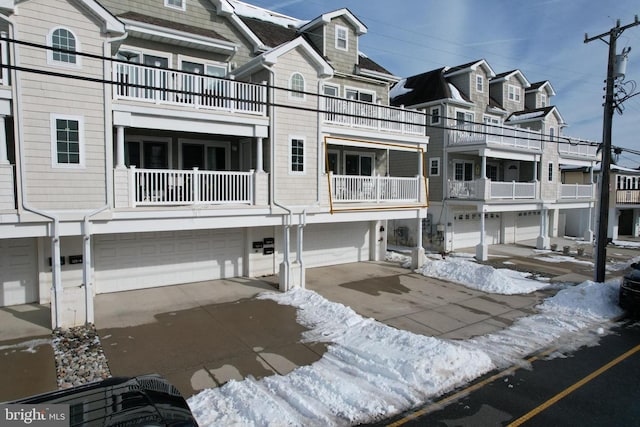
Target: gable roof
(420, 89)
(540, 85)
(534, 115)
(469, 67)
(270, 34)
(327, 17)
(507, 74)
(269, 58)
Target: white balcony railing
(350, 188)
(513, 190)
(577, 148)
(474, 133)
(576, 191)
(163, 86)
(161, 187)
(358, 114)
(466, 189)
(631, 197)
(484, 189)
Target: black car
(146, 400)
(630, 290)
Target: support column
(284, 279)
(120, 147)
(4, 160)
(543, 241)
(259, 156)
(482, 249)
(483, 170)
(417, 254)
(86, 275)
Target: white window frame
(54, 142)
(205, 63)
(468, 120)
(479, 83)
(360, 154)
(333, 151)
(339, 29)
(463, 163)
(514, 93)
(51, 61)
(434, 163)
(543, 100)
(183, 5)
(332, 86)
(142, 139)
(358, 91)
(296, 95)
(304, 155)
(435, 115)
(550, 172)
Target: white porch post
(543, 241)
(482, 249)
(86, 274)
(483, 170)
(259, 156)
(283, 284)
(417, 255)
(4, 160)
(120, 147)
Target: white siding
(336, 243)
(466, 231)
(18, 271)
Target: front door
(358, 164)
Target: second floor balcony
(375, 189)
(365, 115)
(173, 87)
(578, 149)
(628, 197)
(485, 189)
(576, 191)
(501, 136)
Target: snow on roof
(455, 93)
(251, 11)
(527, 116)
(399, 89)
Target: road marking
(444, 402)
(573, 387)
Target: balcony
(484, 189)
(364, 115)
(576, 191)
(166, 187)
(171, 87)
(503, 136)
(628, 197)
(375, 189)
(579, 149)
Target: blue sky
(542, 38)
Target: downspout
(87, 263)
(54, 230)
(287, 225)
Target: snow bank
(482, 277)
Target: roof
(367, 63)
(539, 85)
(504, 76)
(138, 17)
(534, 114)
(420, 89)
(470, 66)
(327, 17)
(269, 33)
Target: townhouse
(159, 142)
(495, 155)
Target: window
(342, 38)
(464, 120)
(480, 83)
(67, 141)
(463, 171)
(175, 4)
(62, 38)
(296, 155)
(434, 166)
(359, 95)
(147, 154)
(296, 84)
(514, 93)
(333, 158)
(435, 115)
(330, 90)
(358, 164)
(552, 133)
(543, 100)
(550, 173)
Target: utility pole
(605, 165)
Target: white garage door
(527, 225)
(144, 260)
(336, 243)
(466, 230)
(18, 271)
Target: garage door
(144, 260)
(466, 230)
(336, 243)
(527, 225)
(18, 271)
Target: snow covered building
(159, 142)
(495, 154)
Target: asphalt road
(594, 386)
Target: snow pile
(626, 244)
(251, 11)
(481, 277)
(563, 258)
(370, 371)
(403, 260)
(619, 266)
(567, 320)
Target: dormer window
(543, 100)
(514, 93)
(175, 4)
(342, 38)
(479, 83)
